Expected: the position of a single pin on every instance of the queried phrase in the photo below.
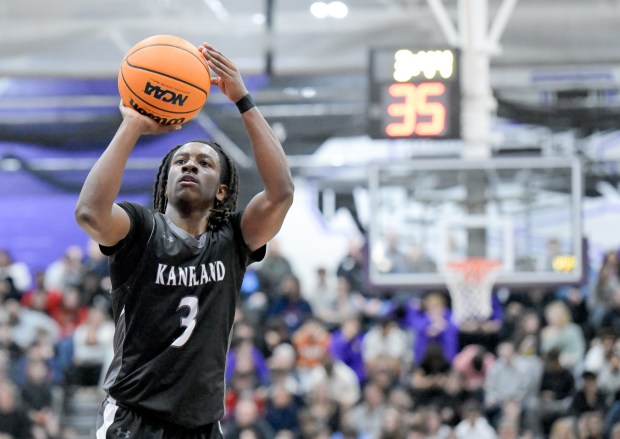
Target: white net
(470, 283)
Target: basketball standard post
(470, 281)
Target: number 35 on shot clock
(414, 94)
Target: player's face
(194, 175)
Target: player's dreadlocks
(229, 175)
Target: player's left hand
(228, 78)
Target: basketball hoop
(470, 283)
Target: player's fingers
(217, 57)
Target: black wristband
(245, 103)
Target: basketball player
(177, 269)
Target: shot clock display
(414, 94)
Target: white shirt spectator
(27, 324)
(93, 339)
(17, 271)
(474, 425)
(509, 377)
(387, 345)
(340, 381)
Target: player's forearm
(104, 180)
(269, 156)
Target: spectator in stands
(351, 267)
(28, 325)
(38, 399)
(388, 255)
(13, 419)
(473, 363)
(8, 290)
(93, 293)
(289, 303)
(322, 294)
(431, 323)
(368, 414)
(92, 346)
(95, 261)
(418, 261)
(18, 272)
(607, 283)
(67, 270)
(589, 397)
(245, 356)
(323, 408)
(434, 426)
(272, 334)
(339, 305)
(386, 344)
(611, 421)
(429, 378)
(282, 368)
(339, 380)
(282, 409)
(71, 312)
(561, 332)
(273, 269)
(346, 345)
(601, 346)
(393, 426)
(311, 342)
(574, 298)
(526, 335)
(554, 396)
(247, 419)
(508, 429)
(563, 428)
(611, 316)
(609, 375)
(41, 299)
(590, 425)
(9, 349)
(399, 397)
(474, 425)
(508, 380)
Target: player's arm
(264, 214)
(96, 211)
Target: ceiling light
(337, 9)
(308, 92)
(259, 19)
(334, 9)
(319, 9)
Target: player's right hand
(146, 124)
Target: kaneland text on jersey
(190, 276)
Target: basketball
(165, 78)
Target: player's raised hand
(228, 78)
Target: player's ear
(222, 191)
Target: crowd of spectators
(336, 359)
(56, 334)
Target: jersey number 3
(189, 321)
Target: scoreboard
(414, 94)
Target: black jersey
(174, 299)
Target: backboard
(523, 212)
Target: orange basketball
(166, 78)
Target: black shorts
(117, 422)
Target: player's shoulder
(134, 209)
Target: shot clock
(414, 94)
